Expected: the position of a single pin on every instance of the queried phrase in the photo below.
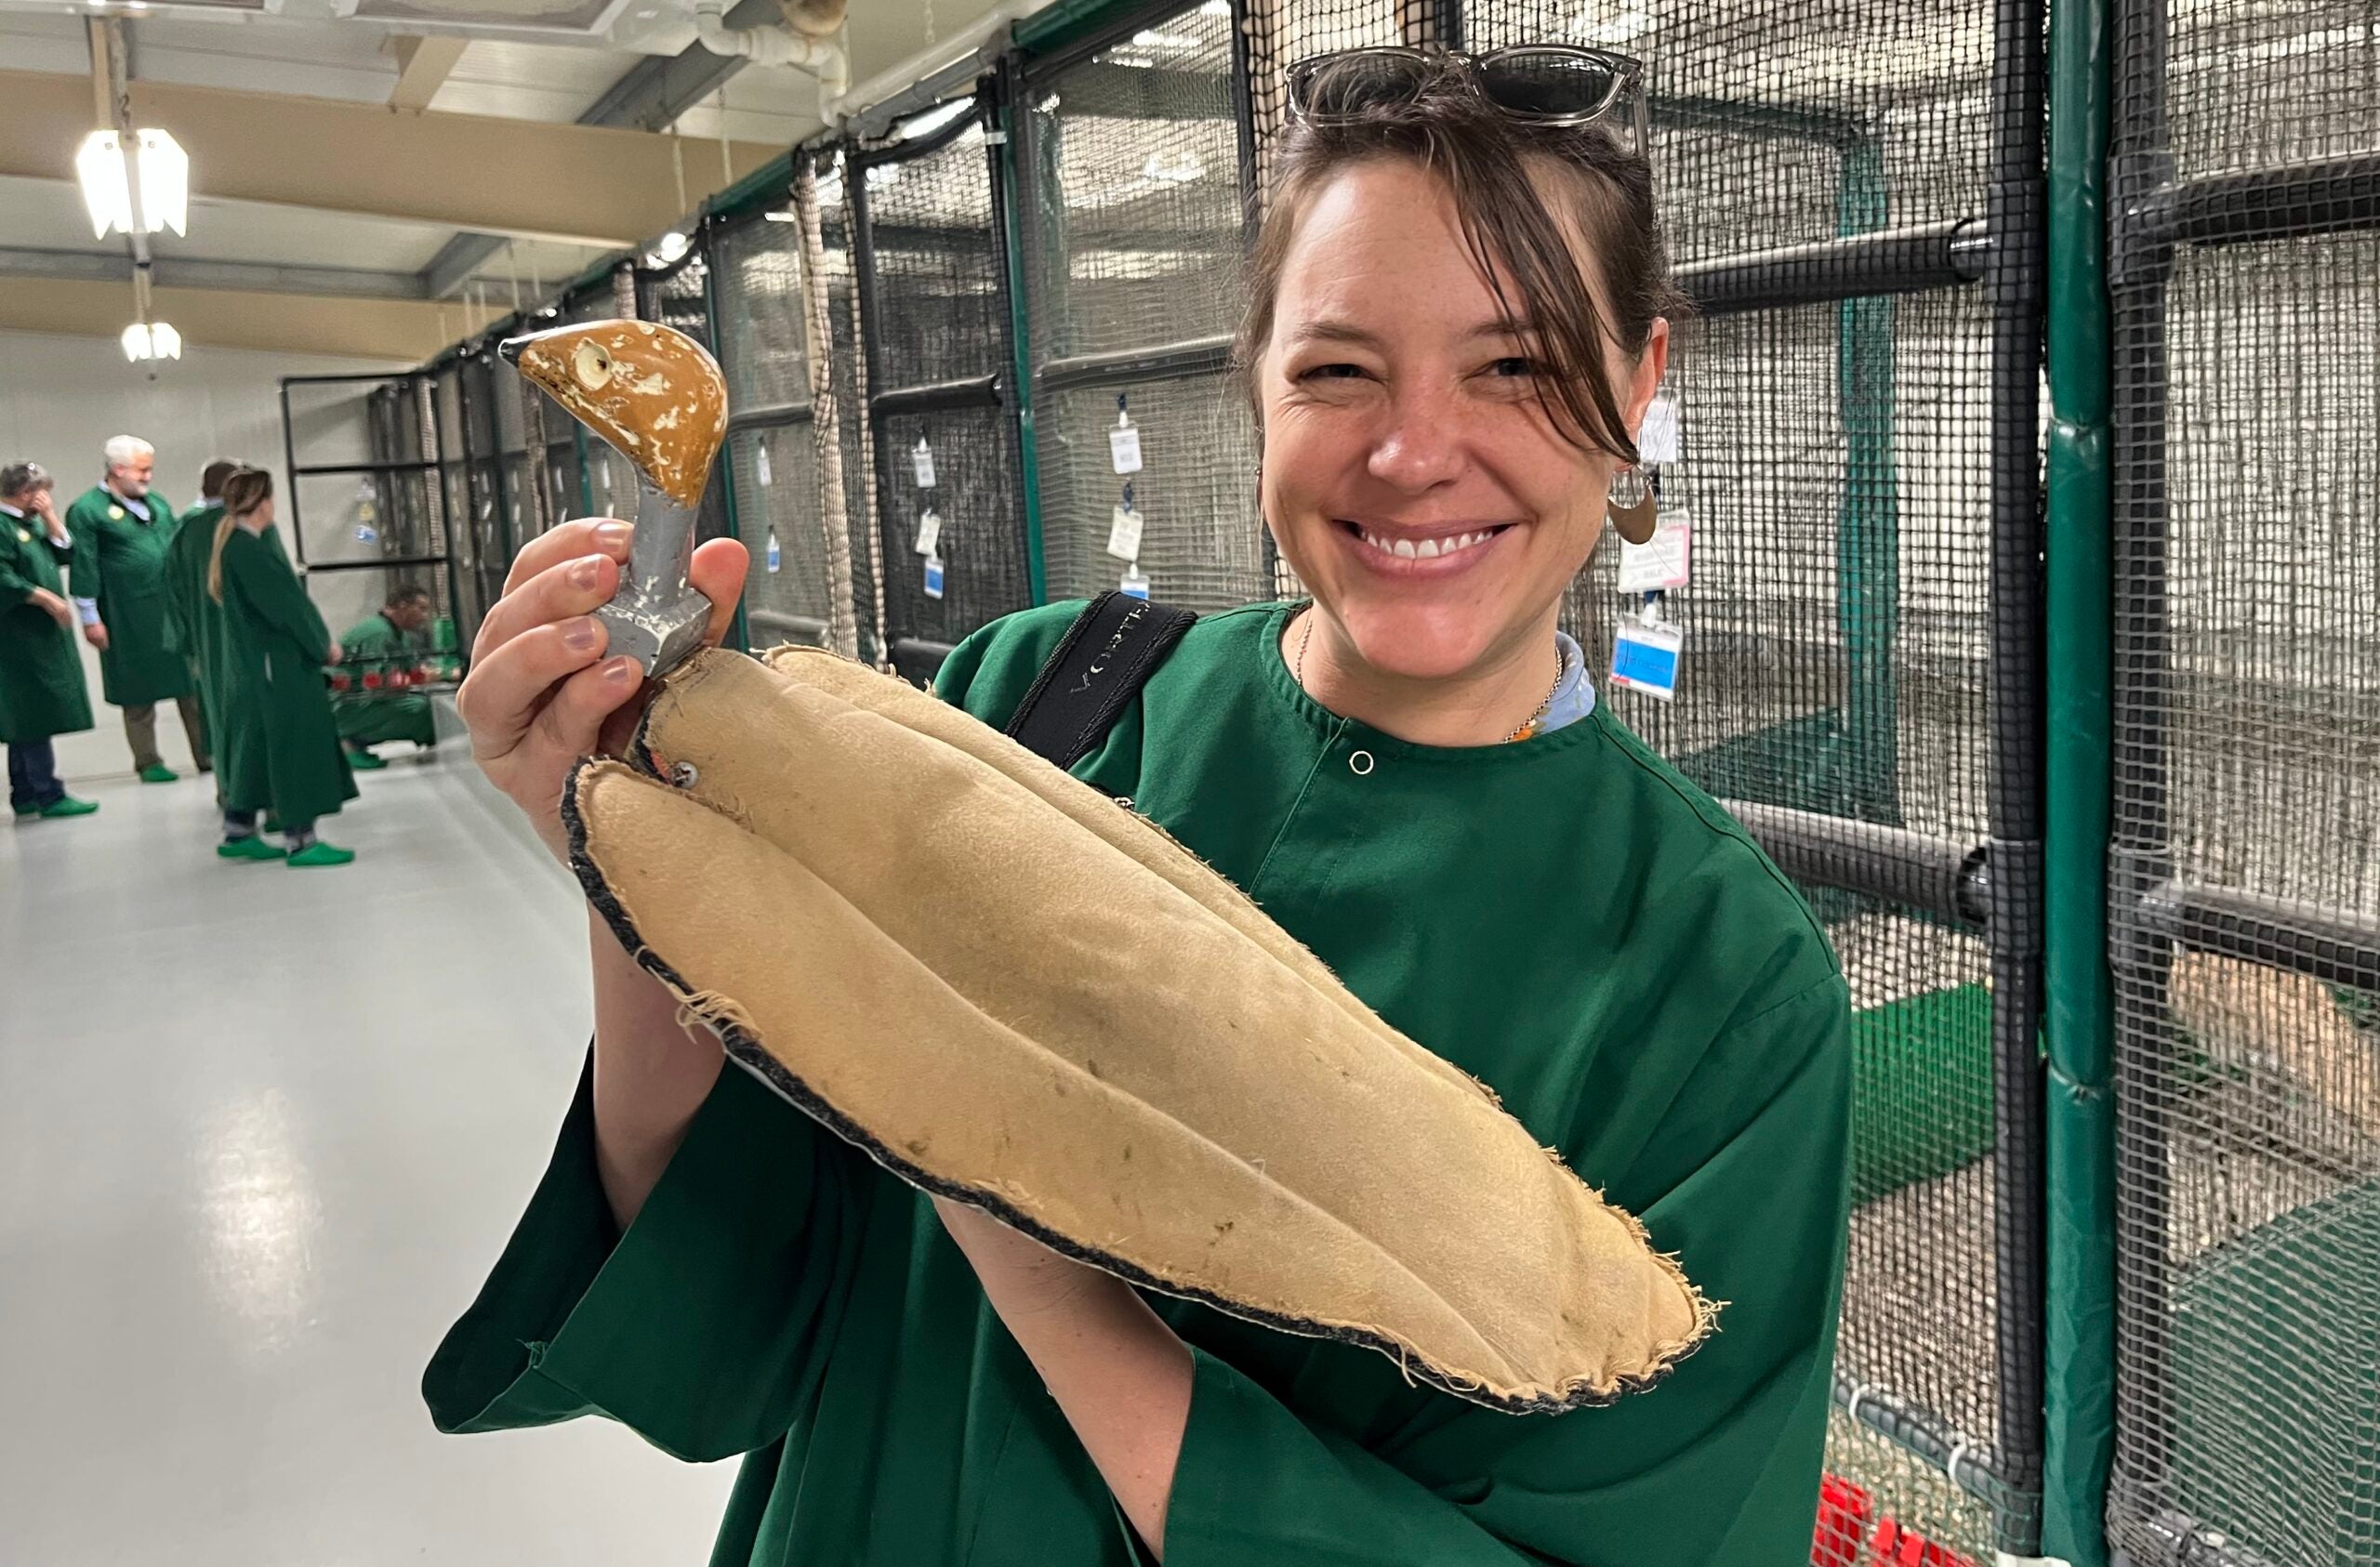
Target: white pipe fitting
(772, 46)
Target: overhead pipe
(804, 42)
(926, 77)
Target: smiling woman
(1457, 323)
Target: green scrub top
(1567, 918)
(120, 561)
(280, 750)
(41, 673)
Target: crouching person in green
(1408, 782)
(280, 753)
(394, 636)
(41, 674)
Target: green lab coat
(280, 749)
(1567, 918)
(191, 620)
(120, 560)
(41, 672)
(368, 717)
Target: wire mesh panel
(934, 278)
(845, 436)
(791, 591)
(1132, 235)
(2245, 274)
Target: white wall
(61, 398)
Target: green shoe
(159, 773)
(365, 761)
(67, 805)
(24, 811)
(249, 848)
(320, 854)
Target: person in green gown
(122, 527)
(392, 638)
(1411, 773)
(41, 676)
(282, 756)
(186, 558)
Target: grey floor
(262, 1131)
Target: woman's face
(1412, 476)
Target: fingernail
(584, 573)
(620, 670)
(612, 538)
(579, 636)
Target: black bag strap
(1104, 659)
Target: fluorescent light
(1215, 8)
(165, 182)
(782, 217)
(673, 245)
(881, 176)
(107, 189)
(933, 120)
(1163, 41)
(106, 179)
(160, 341)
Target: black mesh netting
(939, 350)
(2247, 394)
(844, 437)
(772, 459)
(1133, 203)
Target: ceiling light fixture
(151, 341)
(141, 193)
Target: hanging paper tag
(1124, 534)
(1661, 563)
(773, 557)
(1657, 438)
(1134, 585)
(928, 532)
(934, 576)
(1644, 658)
(760, 463)
(922, 458)
(1124, 446)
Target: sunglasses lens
(1345, 85)
(1548, 83)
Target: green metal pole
(2081, 1352)
(1868, 535)
(1014, 110)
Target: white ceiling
(351, 60)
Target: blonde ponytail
(243, 491)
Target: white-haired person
(120, 528)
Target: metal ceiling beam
(423, 65)
(344, 283)
(586, 185)
(650, 96)
(404, 331)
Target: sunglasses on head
(1555, 84)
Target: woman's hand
(337, 654)
(541, 694)
(53, 606)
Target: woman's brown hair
(1501, 172)
(245, 490)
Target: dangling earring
(1632, 504)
